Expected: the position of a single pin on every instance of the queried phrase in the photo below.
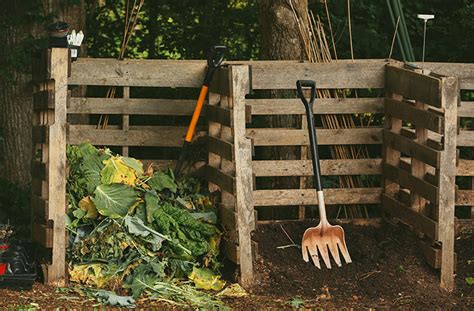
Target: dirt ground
(388, 271)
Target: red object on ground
(4, 247)
(3, 268)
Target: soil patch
(388, 270)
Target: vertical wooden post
(243, 174)
(449, 101)
(418, 168)
(57, 166)
(391, 155)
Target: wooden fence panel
(422, 197)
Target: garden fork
(324, 236)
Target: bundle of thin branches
(131, 19)
(317, 51)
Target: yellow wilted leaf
(88, 206)
(233, 291)
(206, 279)
(90, 274)
(116, 171)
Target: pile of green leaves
(136, 231)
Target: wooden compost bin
(232, 138)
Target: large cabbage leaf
(114, 200)
(116, 171)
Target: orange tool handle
(196, 113)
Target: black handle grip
(214, 60)
(300, 84)
(311, 127)
(216, 55)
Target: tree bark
(281, 40)
(18, 31)
(280, 37)
(15, 94)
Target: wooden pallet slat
(465, 138)
(131, 106)
(297, 137)
(305, 167)
(134, 72)
(221, 179)
(219, 115)
(413, 85)
(220, 147)
(283, 106)
(407, 180)
(409, 216)
(155, 136)
(411, 148)
(407, 112)
(295, 197)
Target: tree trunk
(281, 40)
(17, 37)
(16, 105)
(280, 36)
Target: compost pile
(136, 232)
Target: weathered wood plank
(413, 85)
(409, 216)
(43, 100)
(131, 106)
(465, 138)
(220, 147)
(447, 181)
(279, 106)
(465, 197)
(328, 167)
(219, 115)
(406, 180)
(265, 74)
(297, 137)
(43, 235)
(57, 165)
(308, 196)
(243, 174)
(337, 74)
(465, 168)
(134, 72)
(411, 148)
(466, 110)
(221, 179)
(434, 139)
(463, 71)
(155, 136)
(409, 113)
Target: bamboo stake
(131, 20)
(317, 50)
